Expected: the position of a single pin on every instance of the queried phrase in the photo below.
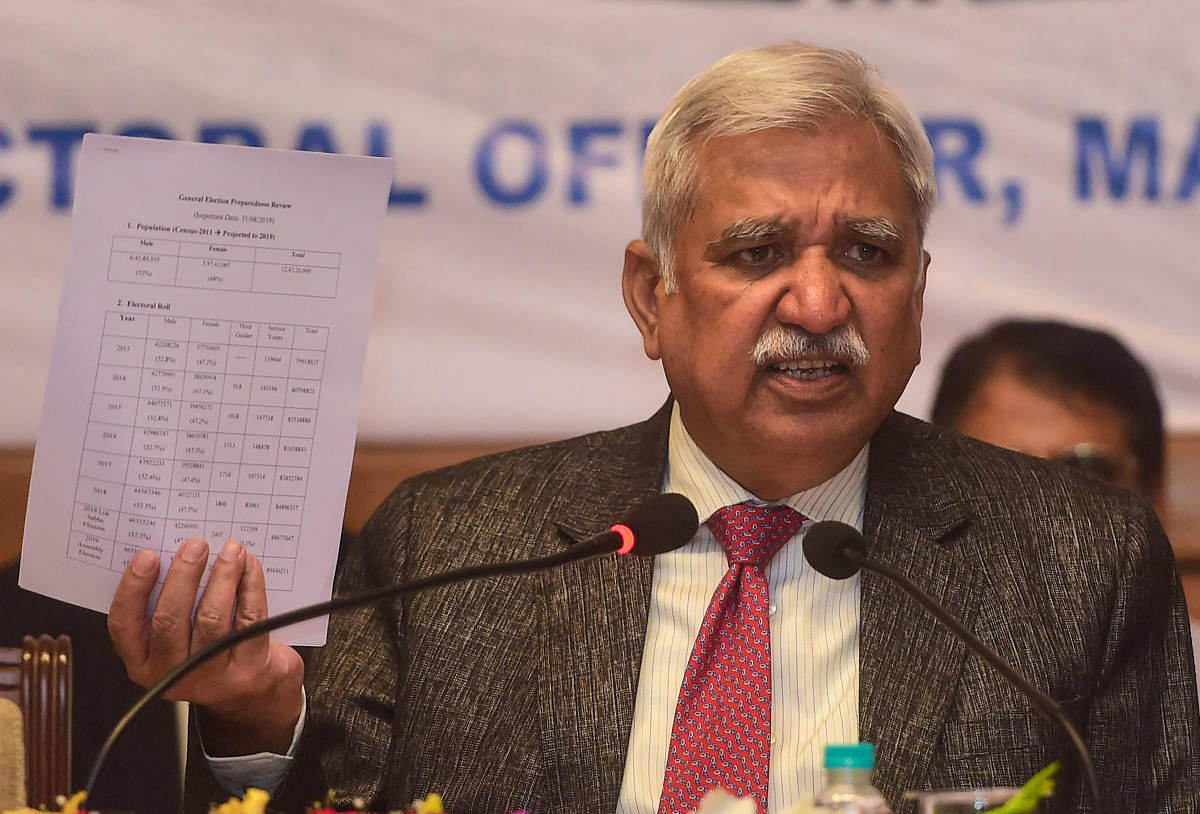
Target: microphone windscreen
(662, 523)
(825, 547)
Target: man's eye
(865, 253)
(756, 256)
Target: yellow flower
(254, 802)
(69, 807)
(430, 805)
(73, 805)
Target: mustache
(843, 344)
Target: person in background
(1063, 392)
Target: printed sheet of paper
(207, 365)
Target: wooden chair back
(37, 676)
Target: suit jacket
(518, 693)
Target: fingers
(171, 624)
(214, 614)
(127, 623)
(252, 607)
(252, 594)
(151, 647)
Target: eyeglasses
(1102, 463)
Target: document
(207, 365)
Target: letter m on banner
(1094, 153)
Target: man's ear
(919, 296)
(641, 285)
(922, 278)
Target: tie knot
(751, 535)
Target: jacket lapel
(596, 611)
(909, 664)
(595, 630)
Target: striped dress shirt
(814, 633)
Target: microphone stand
(1044, 704)
(657, 524)
(602, 544)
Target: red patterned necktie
(721, 736)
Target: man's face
(1008, 411)
(811, 230)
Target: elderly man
(780, 283)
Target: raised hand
(250, 696)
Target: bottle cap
(850, 756)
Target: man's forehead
(849, 172)
(826, 138)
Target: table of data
(223, 267)
(198, 428)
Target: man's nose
(813, 297)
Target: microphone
(838, 551)
(656, 525)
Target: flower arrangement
(70, 806)
(428, 805)
(718, 801)
(254, 801)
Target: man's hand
(250, 696)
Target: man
(780, 283)
(1058, 391)
(1063, 392)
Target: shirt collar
(692, 474)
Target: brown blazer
(518, 693)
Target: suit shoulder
(539, 461)
(988, 470)
(537, 474)
(926, 467)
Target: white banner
(1067, 134)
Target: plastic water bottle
(848, 788)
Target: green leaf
(1041, 785)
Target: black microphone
(661, 523)
(838, 551)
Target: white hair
(792, 85)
